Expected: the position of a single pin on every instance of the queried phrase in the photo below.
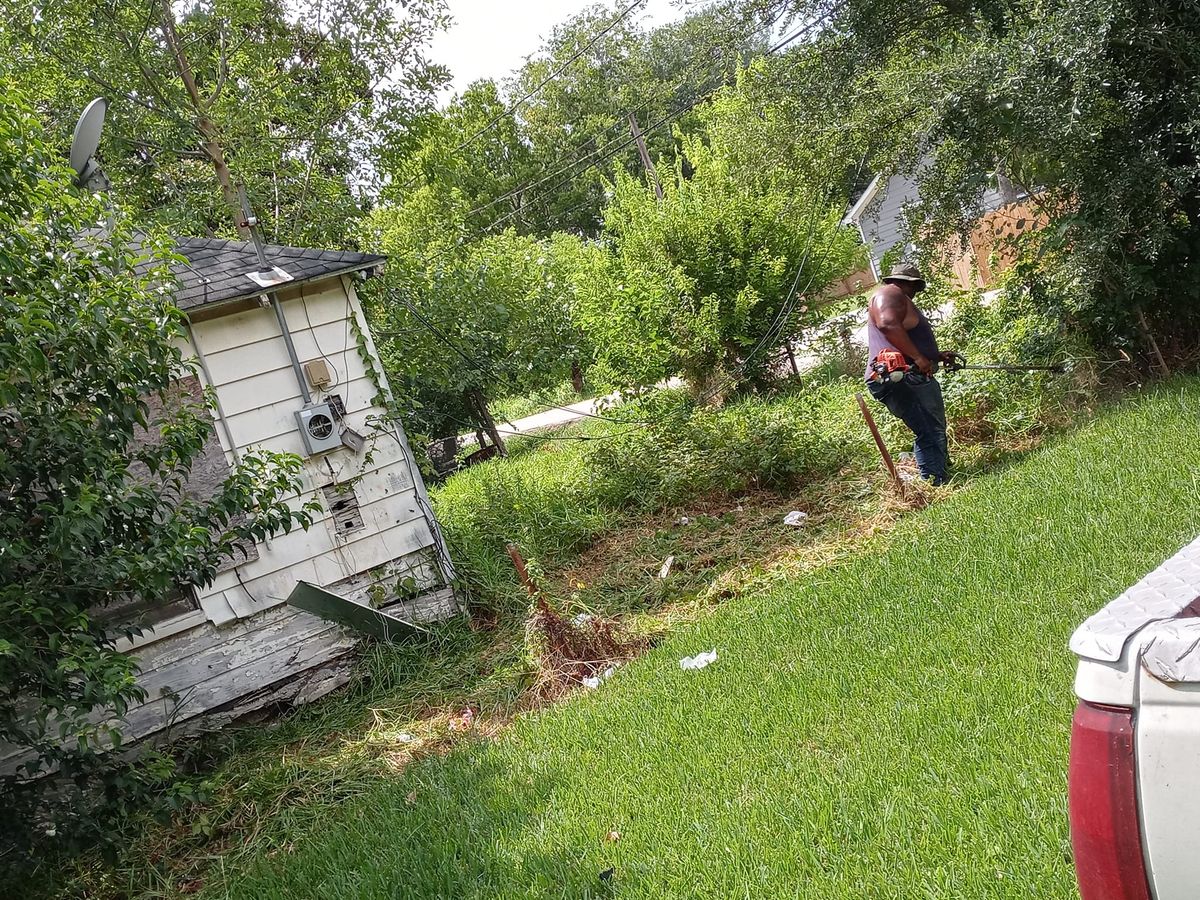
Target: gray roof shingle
(218, 270)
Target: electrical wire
(608, 152)
(317, 343)
(686, 107)
(512, 108)
(615, 147)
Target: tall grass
(556, 494)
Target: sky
(491, 38)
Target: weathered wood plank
(203, 639)
(198, 694)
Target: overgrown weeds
(631, 529)
(575, 652)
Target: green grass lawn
(892, 726)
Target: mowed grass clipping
(895, 726)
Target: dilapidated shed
(287, 352)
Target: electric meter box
(318, 428)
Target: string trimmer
(959, 362)
(890, 365)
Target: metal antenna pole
(251, 225)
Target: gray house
(880, 213)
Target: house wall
(882, 222)
(244, 647)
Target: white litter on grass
(682, 520)
(795, 517)
(666, 567)
(594, 681)
(581, 619)
(699, 661)
(404, 738)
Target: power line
(509, 110)
(513, 107)
(615, 147)
(608, 152)
(579, 157)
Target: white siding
(258, 392)
(882, 222)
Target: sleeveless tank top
(920, 334)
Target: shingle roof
(218, 270)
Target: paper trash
(699, 661)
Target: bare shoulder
(889, 297)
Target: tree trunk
(577, 377)
(204, 124)
(483, 417)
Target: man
(895, 323)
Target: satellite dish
(84, 144)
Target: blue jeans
(917, 402)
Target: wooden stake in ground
(522, 572)
(1163, 368)
(883, 450)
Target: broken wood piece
(522, 572)
(883, 450)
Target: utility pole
(645, 155)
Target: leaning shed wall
(243, 647)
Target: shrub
(1017, 326)
(96, 507)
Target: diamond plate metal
(1172, 651)
(1160, 595)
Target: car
(1134, 771)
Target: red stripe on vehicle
(1102, 792)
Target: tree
(1087, 105)
(710, 280)
(462, 322)
(577, 121)
(95, 508)
(473, 148)
(296, 100)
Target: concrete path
(555, 416)
(550, 418)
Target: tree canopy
(1088, 106)
(95, 510)
(299, 101)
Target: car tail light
(1102, 791)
